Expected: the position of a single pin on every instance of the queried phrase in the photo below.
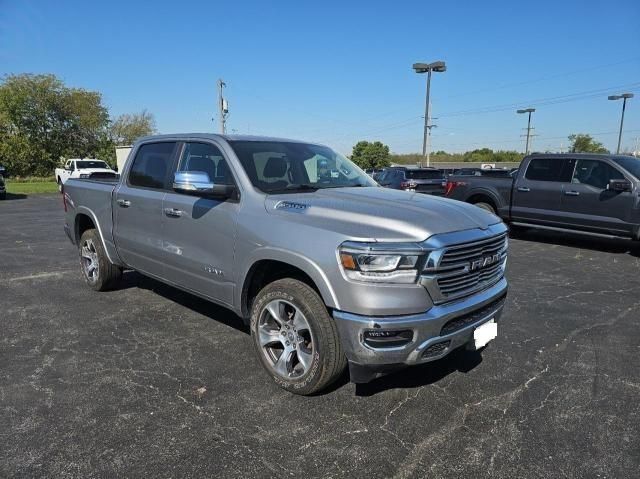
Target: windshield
(632, 165)
(276, 167)
(90, 164)
(424, 175)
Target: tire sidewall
(308, 381)
(98, 284)
(485, 206)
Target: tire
(485, 206)
(60, 186)
(294, 337)
(98, 272)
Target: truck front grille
(462, 269)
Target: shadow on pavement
(460, 360)
(132, 279)
(576, 240)
(15, 196)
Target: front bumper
(434, 334)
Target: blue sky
(338, 72)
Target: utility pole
(427, 68)
(622, 97)
(223, 108)
(529, 111)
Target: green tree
(371, 154)
(583, 143)
(128, 128)
(42, 121)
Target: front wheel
(99, 273)
(295, 338)
(485, 206)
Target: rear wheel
(99, 273)
(485, 206)
(295, 338)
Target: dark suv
(422, 180)
(3, 190)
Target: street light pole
(622, 97)
(529, 111)
(427, 68)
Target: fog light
(436, 349)
(387, 338)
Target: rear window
(550, 169)
(423, 175)
(152, 165)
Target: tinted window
(207, 158)
(152, 165)
(549, 169)
(595, 173)
(423, 174)
(632, 165)
(91, 164)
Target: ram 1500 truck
(83, 168)
(326, 267)
(584, 193)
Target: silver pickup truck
(325, 266)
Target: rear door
(199, 233)
(137, 209)
(589, 203)
(537, 193)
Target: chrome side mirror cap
(198, 183)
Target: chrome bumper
(427, 342)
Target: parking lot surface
(147, 381)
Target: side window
(152, 164)
(549, 169)
(207, 158)
(595, 173)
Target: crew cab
(83, 168)
(587, 193)
(326, 267)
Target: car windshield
(90, 164)
(632, 165)
(277, 167)
(424, 175)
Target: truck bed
(494, 189)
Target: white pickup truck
(83, 168)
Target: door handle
(173, 212)
(572, 193)
(124, 203)
(524, 189)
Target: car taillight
(408, 185)
(451, 185)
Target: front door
(537, 194)
(591, 205)
(199, 233)
(137, 208)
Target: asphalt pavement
(148, 381)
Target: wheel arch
(485, 196)
(86, 219)
(277, 264)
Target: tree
(582, 143)
(371, 155)
(42, 121)
(128, 128)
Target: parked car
(3, 171)
(3, 189)
(587, 193)
(372, 172)
(422, 180)
(326, 267)
(83, 168)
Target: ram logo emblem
(484, 262)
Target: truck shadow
(460, 360)
(576, 240)
(132, 279)
(15, 196)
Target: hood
(379, 214)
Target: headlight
(85, 175)
(383, 267)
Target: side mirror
(619, 185)
(198, 183)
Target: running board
(568, 230)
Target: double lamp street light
(427, 68)
(622, 97)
